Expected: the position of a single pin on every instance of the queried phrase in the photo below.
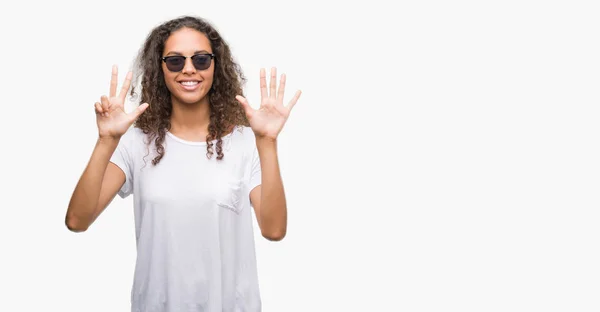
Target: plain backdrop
(443, 156)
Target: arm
(97, 187)
(268, 198)
(101, 179)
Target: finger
(294, 100)
(245, 105)
(273, 90)
(138, 111)
(113, 81)
(105, 103)
(263, 84)
(126, 85)
(281, 90)
(98, 108)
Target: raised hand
(268, 120)
(111, 117)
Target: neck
(190, 121)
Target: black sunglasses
(176, 63)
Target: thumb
(245, 104)
(138, 111)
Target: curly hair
(225, 111)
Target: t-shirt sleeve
(255, 171)
(122, 158)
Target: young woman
(198, 159)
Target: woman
(197, 160)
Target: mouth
(190, 85)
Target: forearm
(84, 201)
(273, 210)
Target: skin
(191, 109)
(101, 179)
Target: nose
(188, 68)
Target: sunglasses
(176, 63)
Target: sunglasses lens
(201, 61)
(175, 63)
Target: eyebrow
(178, 53)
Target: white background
(443, 156)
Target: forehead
(187, 41)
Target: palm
(111, 117)
(268, 120)
(115, 124)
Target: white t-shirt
(193, 223)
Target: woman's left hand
(268, 120)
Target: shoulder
(243, 133)
(244, 136)
(133, 134)
(132, 139)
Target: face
(187, 84)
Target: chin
(190, 99)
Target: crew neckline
(197, 143)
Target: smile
(190, 85)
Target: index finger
(263, 84)
(126, 85)
(113, 81)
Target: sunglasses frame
(165, 58)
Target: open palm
(268, 120)
(111, 117)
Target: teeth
(189, 83)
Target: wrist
(266, 141)
(108, 140)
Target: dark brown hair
(225, 111)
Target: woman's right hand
(111, 117)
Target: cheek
(208, 78)
(169, 80)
